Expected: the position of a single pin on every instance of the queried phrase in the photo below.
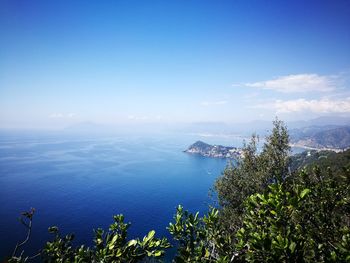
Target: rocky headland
(214, 151)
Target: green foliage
(114, 245)
(275, 154)
(273, 215)
(252, 174)
(302, 220)
(269, 232)
(200, 239)
(60, 249)
(110, 246)
(338, 163)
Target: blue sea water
(79, 182)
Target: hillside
(324, 159)
(326, 137)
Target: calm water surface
(79, 182)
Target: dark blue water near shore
(79, 182)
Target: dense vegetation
(338, 163)
(268, 213)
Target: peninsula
(214, 151)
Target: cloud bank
(297, 83)
(323, 105)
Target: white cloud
(323, 105)
(211, 103)
(297, 83)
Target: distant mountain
(261, 127)
(320, 121)
(310, 131)
(215, 151)
(329, 137)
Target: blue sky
(121, 62)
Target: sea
(77, 182)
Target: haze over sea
(79, 182)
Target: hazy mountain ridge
(327, 132)
(322, 137)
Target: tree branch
(29, 216)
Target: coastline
(317, 148)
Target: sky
(125, 62)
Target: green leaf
(158, 253)
(304, 192)
(149, 236)
(112, 243)
(292, 246)
(132, 242)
